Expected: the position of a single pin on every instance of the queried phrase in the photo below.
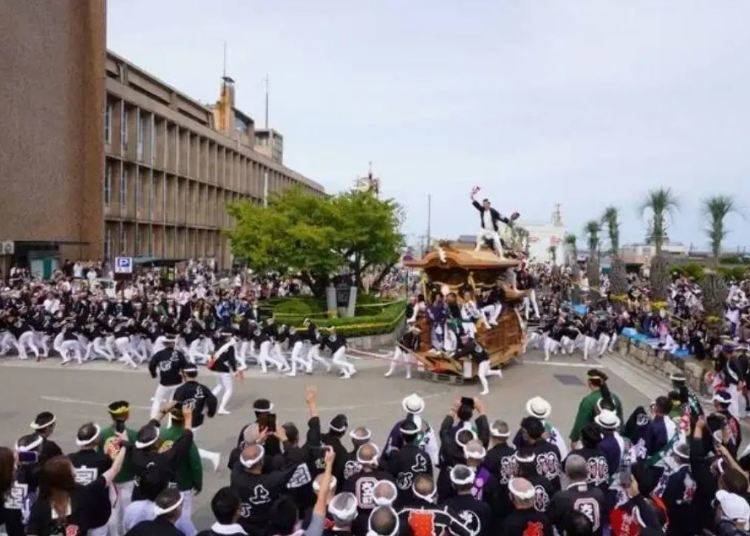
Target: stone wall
(655, 361)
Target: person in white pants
(480, 356)
(489, 218)
(27, 340)
(408, 342)
(167, 365)
(337, 345)
(66, 344)
(7, 342)
(225, 366)
(298, 356)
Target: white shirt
(487, 220)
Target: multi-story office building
(99, 158)
(173, 165)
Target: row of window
(123, 239)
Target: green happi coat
(190, 470)
(107, 446)
(588, 409)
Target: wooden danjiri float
(456, 267)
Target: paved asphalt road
(78, 394)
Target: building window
(123, 187)
(123, 240)
(138, 135)
(108, 124)
(108, 243)
(124, 127)
(107, 184)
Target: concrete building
(641, 254)
(99, 158)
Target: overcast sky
(585, 103)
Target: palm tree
(617, 276)
(610, 219)
(717, 208)
(570, 241)
(592, 230)
(660, 203)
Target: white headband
(523, 495)
(84, 442)
(31, 446)
(332, 485)
(382, 501)
(395, 530)
(337, 429)
(343, 514)
(429, 498)
(353, 435)
(469, 479)
(35, 426)
(374, 458)
(468, 454)
(161, 511)
(145, 444)
(252, 461)
(497, 433)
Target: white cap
(538, 407)
(413, 404)
(734, 507)
(608, 420)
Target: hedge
(371, 317)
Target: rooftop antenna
(224, 69)
(266, 81)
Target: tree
(368, 236)
(317, 237)
(717, 208)
(592, 230)
(660, 203)
(617, 277)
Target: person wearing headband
(489, 219)
(526, 467)
(225, 365)
(475, 513)
(599, 398)
(579, 496)
(24, 479)
(336, 429)
(343, 512)
(427, 438)
(383, 521)
(525, 518)
(406, 463)
(64, 506)
(225, 506)
(408, 342)
(363, 483)
(539, 408)
(677, 489)
(188, 469)
(168, 510)
(147, 454)
(421, 512)
(44, 425)
(197, 396)
(359, 437)
(110, 444)
(722, 401)
(499, 461)
(547, 455)
(599, 472)
(166, 365)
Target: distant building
(102, 159)
(543, 236)
(640, 254)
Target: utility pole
(266, 81)
(429, 221)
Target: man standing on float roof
(489, 218)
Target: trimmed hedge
(372, 317)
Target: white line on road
(67, 400)
(563, 364)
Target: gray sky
(585, 103)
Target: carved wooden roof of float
(461, 256)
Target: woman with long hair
(65, 507)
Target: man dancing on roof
(489, 218)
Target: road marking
(68, 400)
(563, 364)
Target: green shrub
(736, 272)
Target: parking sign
(123, 265)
